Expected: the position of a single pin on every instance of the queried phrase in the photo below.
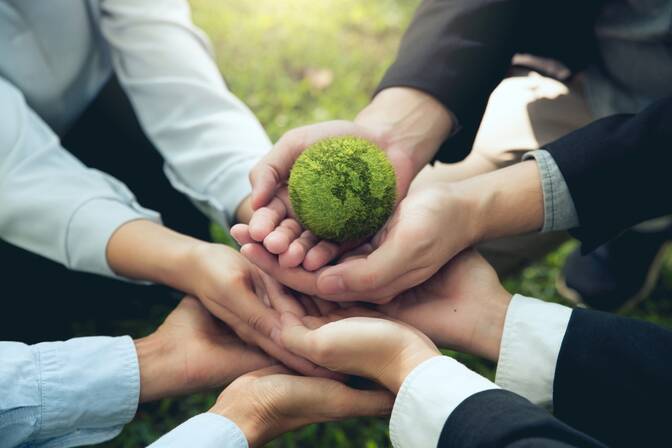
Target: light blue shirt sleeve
(559, 210)
(62, 394)
(205, 430)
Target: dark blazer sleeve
(459, 50)
(613, 379)
(617, 170)
(498, 418)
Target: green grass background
(296, 62)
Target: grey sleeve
(559, 210)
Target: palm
(211, 354)
(454, 307)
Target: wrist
(244, 418)
(408, 120)
(157, 380)
(148, 251)
(487, 335)
(502, 203)
(410, 358)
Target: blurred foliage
(296, 62)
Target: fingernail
(332, 284)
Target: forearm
(501, 203)
(409, 120)
(144, 250)
(209, 139)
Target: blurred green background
(296, 62)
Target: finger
(296, 253)
(324, 306)
(276, 369)
(314, 322)
(320, 255)
(294, 362)
(280, 299)
(278, 240)
(241, 233)
(295, 336)
(366, 275)
(309, 306)
(296, 278)
(360, 403)
(265, 179)
(266, 219)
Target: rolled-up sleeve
(559, 210)
(531, 341)
(62, 394)
(50, 203)
(208, 138)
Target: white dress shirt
(533, 334)
(55, 57)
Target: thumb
(366, 275)
(295, 336)
(264, 179)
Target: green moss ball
(342, 188)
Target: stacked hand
(271, 401)
(192, 351)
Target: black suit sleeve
(613, 379)
(459, 50)
(617, 170)
(498, 418)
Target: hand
(462, 307)
(379, 349)
(274, 224)
(249, 301)
(411, 247)
(228, 285)
(269, 402)
(192, 351)
(407, 124)
(432, 224)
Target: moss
(342, 188)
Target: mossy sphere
(342, 188)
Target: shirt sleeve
(427, 397)
(531, 341)
(52, 204)
(206, 430)
(62, 394)
(559, 210)
(208, 138)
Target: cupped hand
(376, 348)
(271, 401)
(428, 228)
(246, 299)
(274, 225)
(462, 307)
(192, 351)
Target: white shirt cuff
(429, 394)
(206, 430)
(531, 341)
(91, 227)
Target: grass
(296, 62)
